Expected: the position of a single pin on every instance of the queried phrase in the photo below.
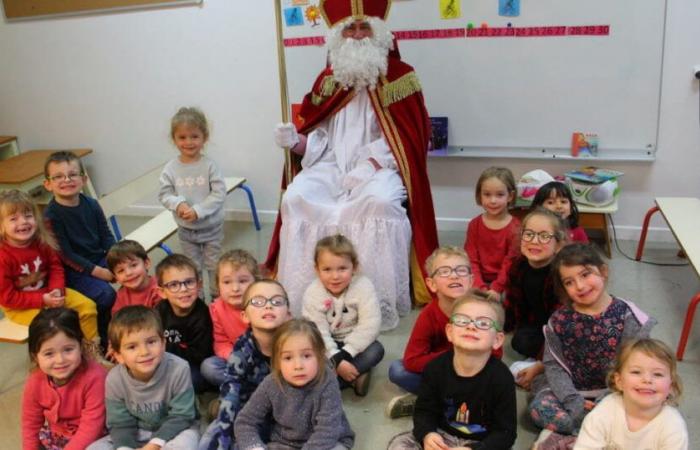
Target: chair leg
(645, 229)
(115, 228)
(687, 325)
(166, 249)
(253, 210)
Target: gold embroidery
(400, 89)
(316, 99)
(328, 86)
(357, 8)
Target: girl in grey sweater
(301, 397)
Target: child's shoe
(361, 384)
(401, 406)
(550, 440)
(517, 366)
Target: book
(584, 144)
(438, 137)
(594, 175)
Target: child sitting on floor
(581, 339)
(265, 309)
(31, 273)
(449, 278)
(185, 317)
(467, 396)
(641, 412)
(149, 397)
(130, 264)
(235, 271)
(63, 402)
(299, 401)
(344, 307)
(530, 298)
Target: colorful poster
(450, 9)
(509, 8)
(293, 16)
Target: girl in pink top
(63, 401)
(491, 236)
(556, 197)
(235, 271)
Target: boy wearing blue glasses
(467, 396)
(186, 321)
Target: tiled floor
(663, 292)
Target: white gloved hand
(286, 135)
(362, 172)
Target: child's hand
(525, 376)
(150, 446)
(181, 208)
(493, 295)
(347, 371)
(109, 355)
(102, 273)
(433, 441)
(190, 215)
(588, 405)
(54, 298)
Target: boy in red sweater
(449, 278)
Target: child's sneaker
(400, 406)
(517, 366)
(361, 384)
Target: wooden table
(8, 147)
(26, 172)
(682, 214)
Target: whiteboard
(525, 96)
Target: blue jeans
(214, 370)
(100, 292)
(364, 361)
(400, 376)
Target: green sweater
(163, 405)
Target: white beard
(359, 63)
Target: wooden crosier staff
(284, 96)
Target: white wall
(112, 81)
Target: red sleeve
(578, 234)
(92, 417)
(471, 246)
(222, 344)
(32, 412)
(57, 277)
(419, 349)
(10, 296)
(499, 284)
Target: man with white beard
(359, 164)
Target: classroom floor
(663, 292)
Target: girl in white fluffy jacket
(344, 307)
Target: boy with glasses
(449, 278)
(83, 235)
(265, 309)
(185, 317)
(467, 396)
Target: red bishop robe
(400, 109)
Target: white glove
(286, 135)
(361, 173)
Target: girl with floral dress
(581, 340)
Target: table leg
(606, 236)
(687, 325)
(645, 229)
